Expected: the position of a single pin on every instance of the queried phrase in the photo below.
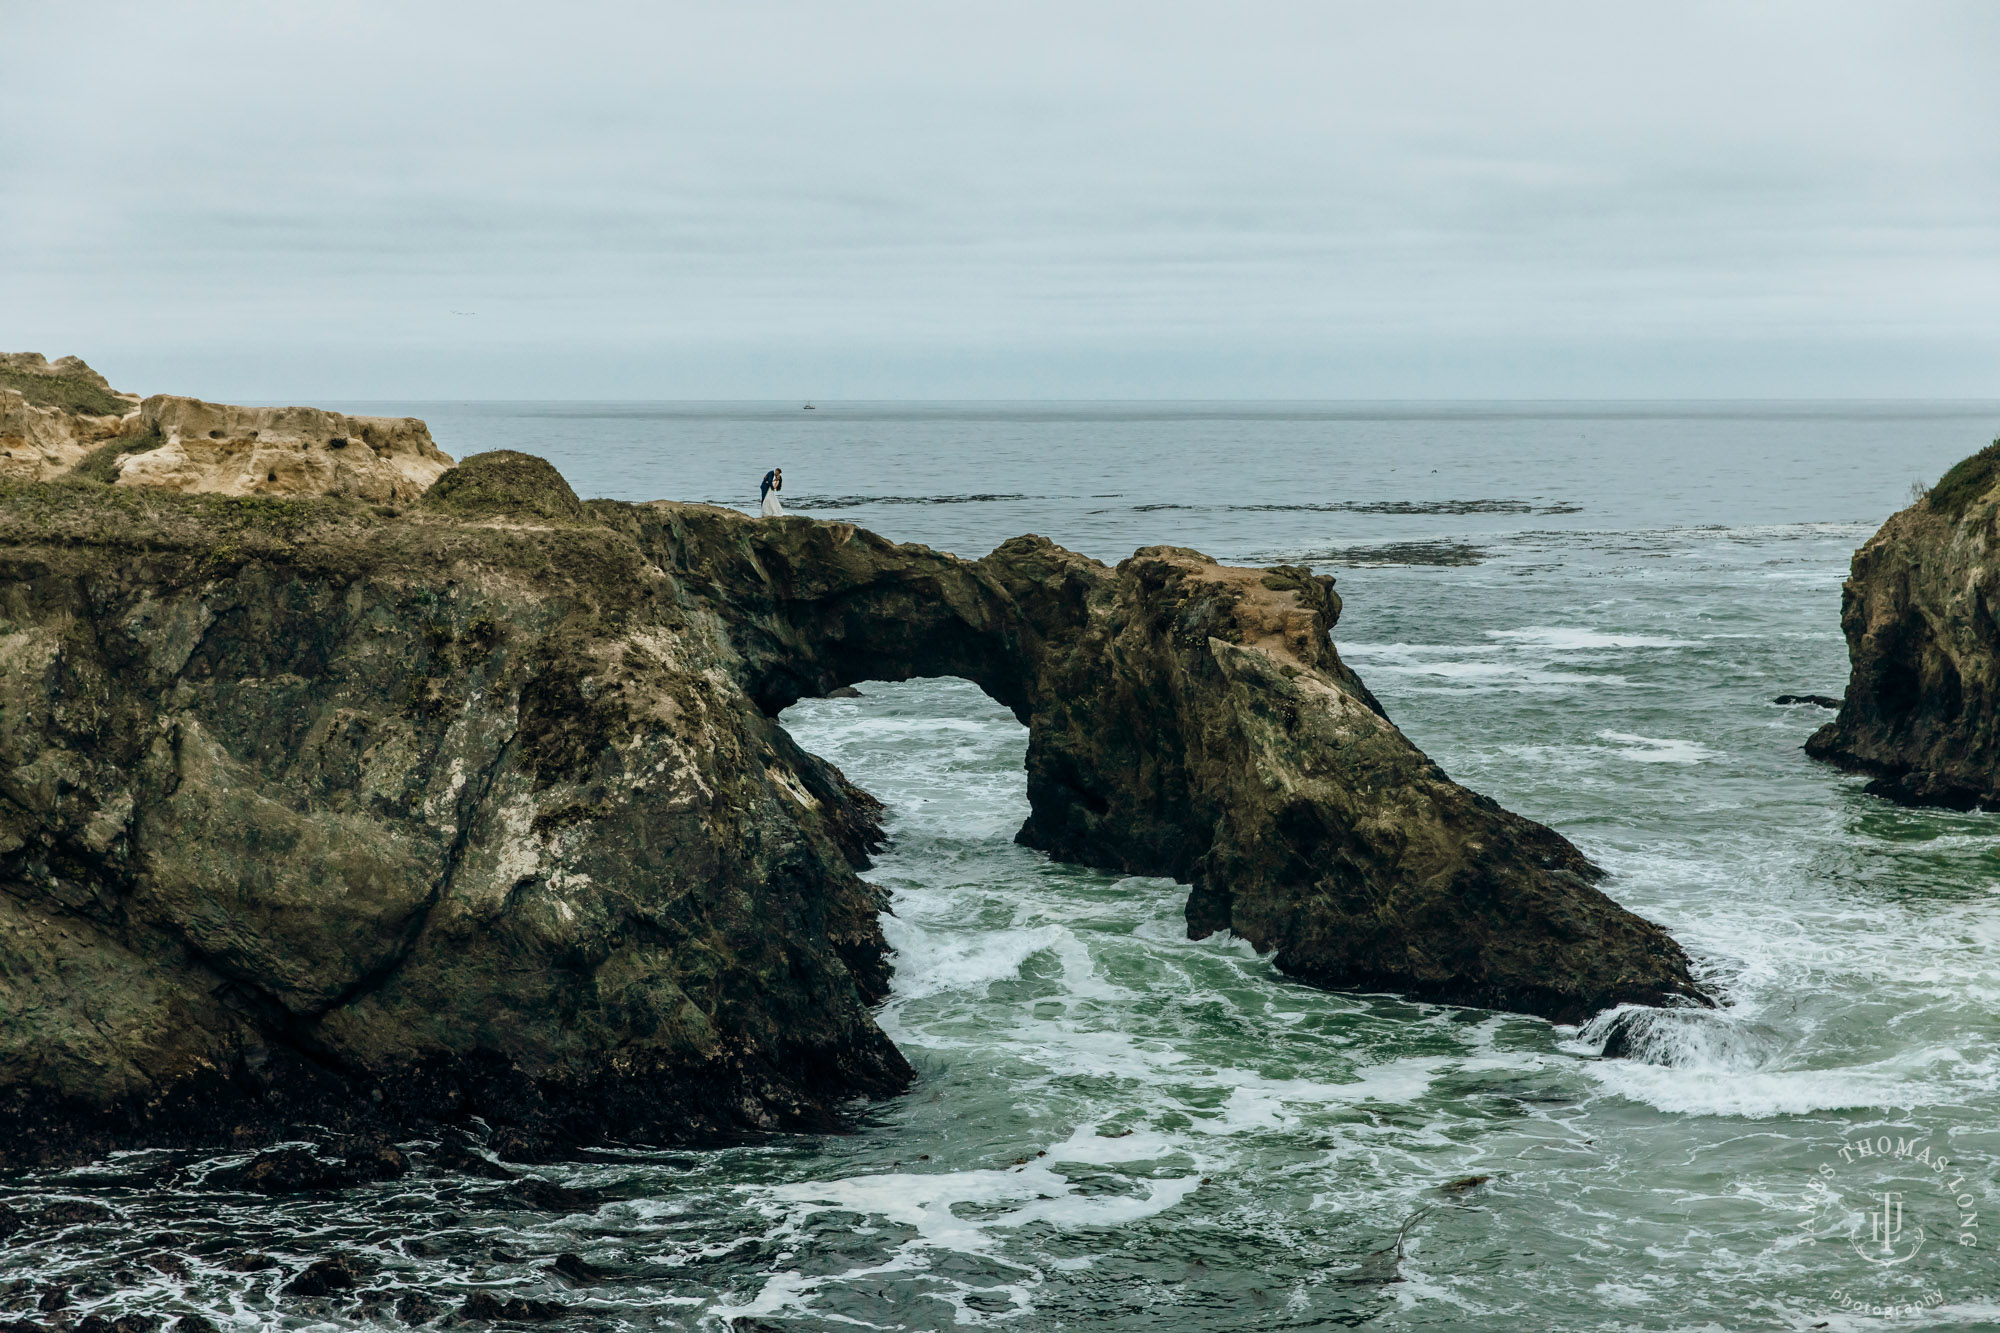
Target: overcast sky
(847, 198)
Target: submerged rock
(1922, 712)
(484, 1306)
(317, 812)
(323, 1277)
(300, 1170)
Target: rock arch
(1194, 720)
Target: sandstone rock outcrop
(62, 418)
(1921, 612)
(186, 445)
(53, 414)
(313, 810)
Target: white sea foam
(1656, 749)
(1758, 1096)
(1567, 639)
(928, 961)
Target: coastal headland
(383, 792)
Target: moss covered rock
(504, 484)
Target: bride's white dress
(772, 508)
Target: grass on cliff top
(82, 506)
(63, 392)
(1966, 482)
(82, 522)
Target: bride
(774, 481)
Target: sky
(929, 199)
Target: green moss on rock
(506, 484)
(68, 393)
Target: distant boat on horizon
(809, 408)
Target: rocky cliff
(1922, 712)
(331, 811)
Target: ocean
(1583, 610)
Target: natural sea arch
(1193, 720)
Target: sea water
(1582, 610)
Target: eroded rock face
(1922, 712)
(197, 448)
(312, 812)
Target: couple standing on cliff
(774, 481)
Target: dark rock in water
(319, 814)
(456, 1155)
(416, 1308)
(299, 1170)
(22, 1326)
(484, 1305)
(340, 1272)
(55, 1298)
(844, 692)
(1922, 713)
(510, 1144)
(1463, 1185)
(1682, 1037)
(1380, 1268)
(1382, 554)
(1816, 700)
(1623, 1041)
(250, 1262)
(10, 1221)
(547, 1197)
(195, 1323)
(574, 1267)
(74, 1213)
(169, 1265)
(128, 1323)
